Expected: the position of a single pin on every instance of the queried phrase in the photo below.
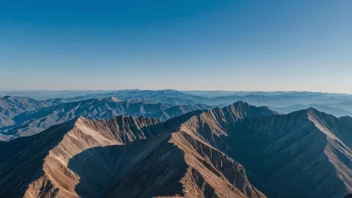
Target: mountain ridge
(237, 151)
(60, 180)
(32, 122)
(336, 155)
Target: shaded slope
(89, 159)
(40, 167)
(307, 151)
(214, 123)
(166, 165)
(296, 147)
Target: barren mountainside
(236, 151)
(123, 157)
(308, 151)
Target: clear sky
(178, 44)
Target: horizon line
(210, 90)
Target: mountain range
(236, 151)
(336, 109)
(336, 104)
(32, 122)
(11, 106)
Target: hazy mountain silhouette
(11, 106)
(32, 122)
(338, 112)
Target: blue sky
(178, 44)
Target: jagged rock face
(294, 148)
(307, 150)
(85, 158)
(211, 124)
(166, 165)
(211, 173)
(43, 163)
(300, 151)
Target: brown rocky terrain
(84, 158)
(228, 152)
(308, 151)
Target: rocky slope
(207, 153)
(120, 157)
(301, 146)
(307, 151)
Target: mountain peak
(242, 110)
(240, 102)
(80, 119)
(312, 110)
(115, 99)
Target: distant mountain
(32, 122)
(282, 99)
(213, 93)
(167, 96)
(345, 105)
(323, 108)
(213, 98)
(176, 111)
(47, 94)
(14, 105)
(57, 101)
(11, 106)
